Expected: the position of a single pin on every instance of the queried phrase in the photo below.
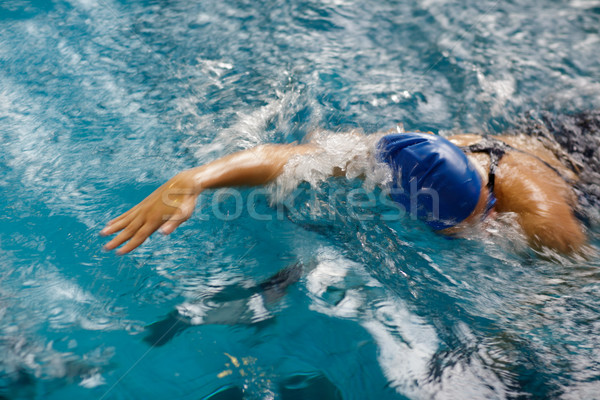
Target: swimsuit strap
(496, 150)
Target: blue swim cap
(432, 175)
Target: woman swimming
(450, 184)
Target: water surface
(102, 101)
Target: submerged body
(530, 181)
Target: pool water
(101, 101)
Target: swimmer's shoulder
(532, 147)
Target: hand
(166, 208)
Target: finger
(168, 227)
(140, 237)
(124, 236)
(124, 215)
(113, 227)
(184, 213)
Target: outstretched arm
(174, 202)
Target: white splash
(92, 381)
(351, 152)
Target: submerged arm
(174, 202)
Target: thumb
(184, 212)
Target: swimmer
(460, 181)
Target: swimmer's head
(433, 179)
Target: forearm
(256, 166)
(173, 203)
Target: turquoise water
(101, 101)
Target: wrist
(192, 178)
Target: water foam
(351, 152)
